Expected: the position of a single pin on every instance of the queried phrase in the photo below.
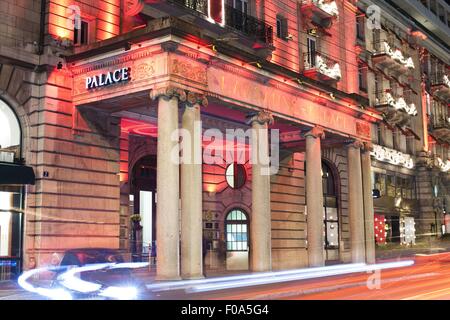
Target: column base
(193, 277)
(168, 278)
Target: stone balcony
(395, 109)
(319, 13)
(391, 60)
(319, 67)
(440, 86)
(440, 128)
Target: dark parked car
(112, 279)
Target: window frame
(237, 222)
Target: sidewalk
(397, 251)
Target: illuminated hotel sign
(106, 79)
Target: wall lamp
(256, 63)
(300, 82)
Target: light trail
(70, 281)
(172, 285)
(295, 277)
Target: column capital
(316, 132)
(261, 117)
(194, 98)
(168, 92)
(356, 144)
(368, 146)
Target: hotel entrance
(13, 178)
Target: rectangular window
(81, 36)
(360, 28)
(282, 27)
(391, 192)
(362, 77)
(311, 47)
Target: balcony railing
(440, 122)
(440, 78)
(384, 48)
(248, 25)
(196, 5)
(327, 68)
(329, 7)
(383, 98)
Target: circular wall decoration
(236, 175)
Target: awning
(13, 174)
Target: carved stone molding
(357, 144)
(170, 46)
(262, 117)
(168, 92)
(368, 146)
(316, 132)
(194, 98)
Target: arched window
(236, 224)
(330, 202)
(11, 134)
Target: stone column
(167, 185)
(355, 199)
(260, 222)
(314, 197)
(366, 165)
(191, 190)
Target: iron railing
(249, 25)
(438, 78)
(439, 122)
(314, 59)
(236, 19)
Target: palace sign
(103, 80)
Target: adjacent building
(92, 95)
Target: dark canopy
(12, 174)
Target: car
(104, 270)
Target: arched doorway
(13, 178)
(143, 191)
(331, 213)
(237, 240)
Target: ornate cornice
(194, 98)
(356, 144)
(168, 92)
(316, 132)
(262, 117)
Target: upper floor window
(241, 5)
(362, 77)
(360, 28)
(282, 27)
(81, 35)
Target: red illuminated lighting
(138, 127)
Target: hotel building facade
(92, 94)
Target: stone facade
(83, 155)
